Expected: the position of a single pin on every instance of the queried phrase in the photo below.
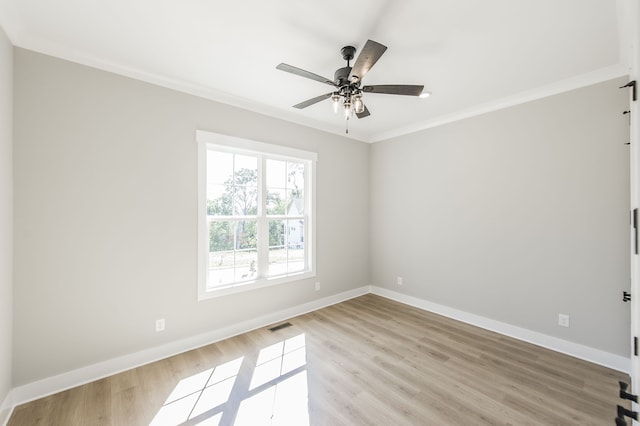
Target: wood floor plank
(366, 361)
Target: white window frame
(206, 140)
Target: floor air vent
(281, 326)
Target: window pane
(295, 189)
(246, 235)
(295, 253)
(276, 201)
(246, 162)
(221, 253)
(276, 174)
(221, 274)
(220, 236)
(219, 167)
(215, 190)
(246, 250)
(219, 177)
(232, 252)
(276, 234)
(295, 204)
(295, 176)
(286, 246)
(245, 185)
(232, 184)
(277, 247)
(246, 263)
(276, 187)
(245, 200)
(219, 200)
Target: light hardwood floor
(367, 361)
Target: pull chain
(347, 125)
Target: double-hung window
(255, 214)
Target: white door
(632, 20)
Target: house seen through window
(257, 216)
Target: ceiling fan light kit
(347, 82)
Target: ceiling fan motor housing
(341, 76)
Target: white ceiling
(472, 55)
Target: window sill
(252, 285)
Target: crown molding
(566, 85)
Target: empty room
(332, 213)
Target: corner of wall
(6, 226)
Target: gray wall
(6, 213)
(105, 215)
(516, 215)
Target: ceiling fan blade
(369, 55)
(312, 101)
(395, 89)
(306, 74)
(364, 113)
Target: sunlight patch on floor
(276, 395)
(279, 359)
(198, 393)
(283, 404)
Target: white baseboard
(6, 408)
(58, 383)
(51, 385)
(576, 350)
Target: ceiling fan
(347, 81)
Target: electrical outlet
(400, 281)
(563, 320)
(318, 286)
(160, 325)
